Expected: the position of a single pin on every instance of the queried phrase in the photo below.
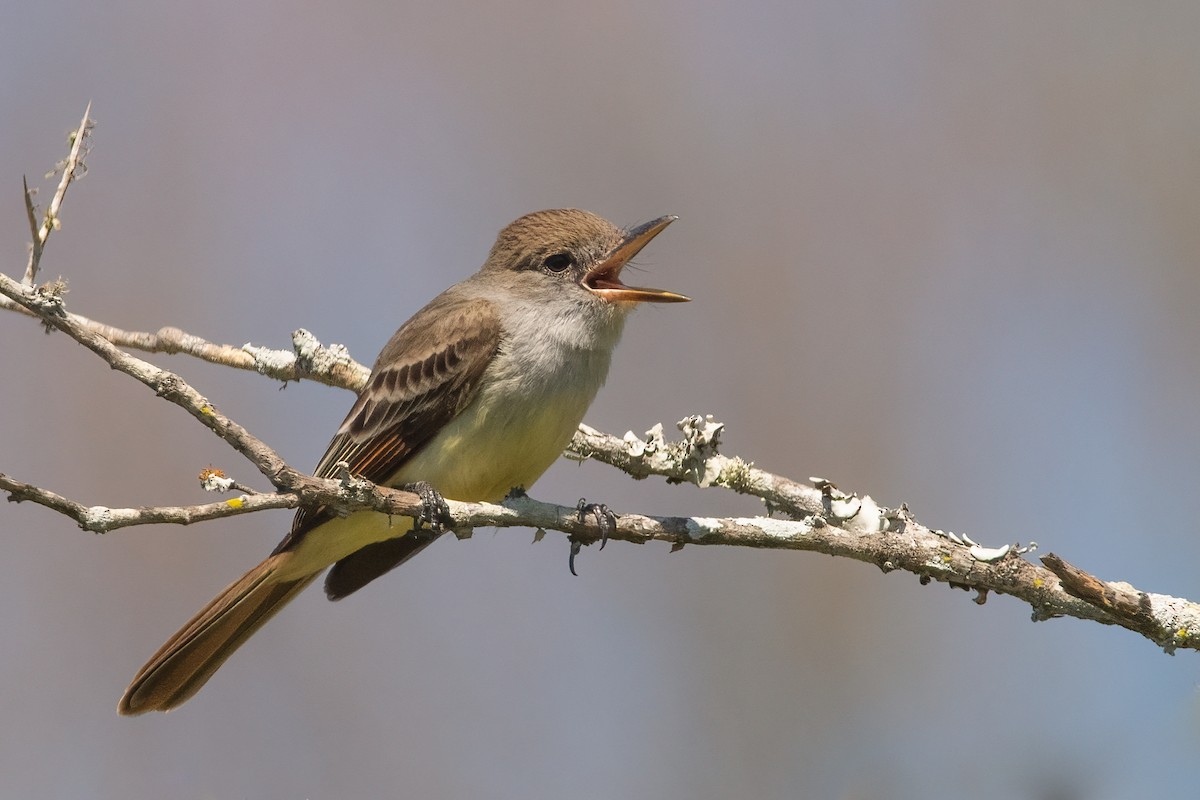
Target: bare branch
(696, 460)
(72, 167)
(101, 519)
(36, 241)
(308, 359)
(1060, 590)
(47, 303)
(1168, 621)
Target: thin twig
(70, 171)
(49, 306)
(101, 519)
(35, 248)
(307, 360)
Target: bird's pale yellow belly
(488, 449)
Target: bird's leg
(605, 518)
(433, 506)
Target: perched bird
(477, 394)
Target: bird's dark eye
(557, 262)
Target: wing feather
(425, 376)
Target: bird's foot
(434, 510)
(605, 518)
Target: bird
(474, 396)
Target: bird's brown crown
(535, 236)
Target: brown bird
(475, 395)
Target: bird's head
(570, 247)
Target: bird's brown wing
(423, 378)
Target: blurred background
(941, 253)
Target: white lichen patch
(701, 435)
(319, 359)
(214, 481)
(1174, 613)
(700, 432)
(988, 554)
(268, 361)
(700, 527)
(655, 441)
(97, 518)
(867, 517)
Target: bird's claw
(576, 546)
(605, 519)
(434, 509)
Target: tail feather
(363, 566)
(191, 656)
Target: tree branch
(101, 519)
(47, 303)
(876, 535)
(307, 360)
(821, 518)
(72, 167)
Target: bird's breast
(520, 420)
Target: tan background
(947, 254)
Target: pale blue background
(945, 253)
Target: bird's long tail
(191, 656)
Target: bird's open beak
(604, 279)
